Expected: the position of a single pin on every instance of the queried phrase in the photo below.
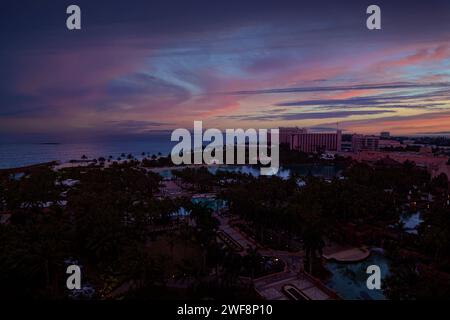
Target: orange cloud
(435, 122)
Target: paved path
(348, 255)
(271, 287)
(237, 236)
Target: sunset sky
(138, 67)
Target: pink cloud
(425, 55)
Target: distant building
(408, 142)
(301, 140)
(346, 146)
(287, 132)
(390, 144)
(362, 142)
(435, 165)
(385, 135)
(426, 150)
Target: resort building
(390, 144)
(287, 132)
(301, 140)
(346, 146)
(362, 142)
(435, 165)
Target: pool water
(411, 222)
(327, 171)
(180, 213)
(349, 279)
(212, 203)
(166, 174)
(251, 170)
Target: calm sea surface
(22, 154)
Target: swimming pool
(349, 279)
(210, 202)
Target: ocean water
(23, 154)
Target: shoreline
(30, 167)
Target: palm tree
(313, 244)
(31, 258)
(253, 261)
(190, 268)
(214, 255)
(400, 227)
(232, 265)
(142, 267)
(402, 281)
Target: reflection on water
(284, 172)
(349, 279)
(326, 171)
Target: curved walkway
(271, 287)
(348, 255)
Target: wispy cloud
(229, 63)
(307, 115)
(391, 100)
(401, 124)
(136, 124)
(389, 86)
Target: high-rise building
(302, 140)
